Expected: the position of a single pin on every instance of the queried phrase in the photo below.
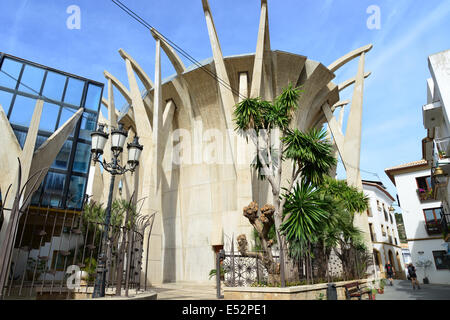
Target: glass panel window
(74, 92)
(54, 86)
(9, 73)
(441, 260)
(429, 215)
(31, 80)
(21, 136)
(437, 214)
(76, 192)
(53, 190)
(424, 183)
(66, 114)
(87, 126)
(62, 159)
(82, 157)
(93, 97)
(5, 100)
(35, 199)
(49, 117)
(39, 141)
(22, 111)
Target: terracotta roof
(409, 165)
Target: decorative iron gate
(52, 244)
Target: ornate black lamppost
(99, 138)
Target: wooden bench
(352, 290)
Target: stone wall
(307, 292)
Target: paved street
(185, 291)
(402, 290)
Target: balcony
(445, 226)
(425, 195)
(432, 115)
(441, 154)
(433, 227)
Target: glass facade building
(21, 84)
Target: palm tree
(339, 231)
(306, 212)
(309, 152)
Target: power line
(139, 19)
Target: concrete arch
(119, 85)
(349, 57)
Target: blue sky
(322, 30)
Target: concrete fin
(146, 81)
(349, 57)
(119, 85)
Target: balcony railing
(441, 152)
(433, 227)
(425, 195)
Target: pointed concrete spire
(225, 93)
(352, 144)
(262, 55)
(157, 115)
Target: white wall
(414, 221)
(377, 219)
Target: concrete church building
(195, 169)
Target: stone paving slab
(402, 290)
(185, 291)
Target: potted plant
(442, 155)
(381, 288)
(213, 273)
(374, 293)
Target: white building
(436, 147)
(383, 228)
(422, 217)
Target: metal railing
(51, 245)
(441, 152)
(445, 224)
(425, 195)
(433, 227)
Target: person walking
(389, 272)
(413, 276)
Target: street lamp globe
(134, 152)
(99, 139)
(118, 137)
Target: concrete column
(145, 177)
